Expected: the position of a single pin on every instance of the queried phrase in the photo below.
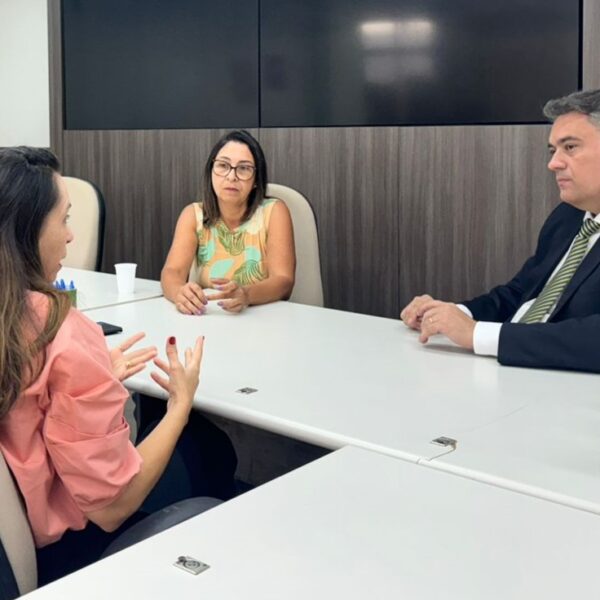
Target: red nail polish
(172, 340)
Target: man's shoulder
(563, 215)
(567, 211)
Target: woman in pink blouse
(62, 430)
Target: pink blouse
(65, 439)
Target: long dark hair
(28, 193)
(210, 204)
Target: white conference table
(355, 525)
(334, 378)
(550, 449)
(97, 290)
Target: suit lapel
(586, 268)
(558, 247)
(547, 267)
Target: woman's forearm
(275, 287)
(171, 281)
(156, 451)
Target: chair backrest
(16, 538)
(308, 288)
(87, 223)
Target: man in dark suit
(548, 314)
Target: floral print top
(238, 254)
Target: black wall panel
(152, 64)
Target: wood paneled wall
(146, 177)
(471, 203)
(400, 210)
(350, 175)
(591, 44)
(55, 68)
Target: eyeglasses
(242, 171)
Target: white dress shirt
(486, 335)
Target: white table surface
(334, 378)
(97, 290)
(356, 525)
(550, 449)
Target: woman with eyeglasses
(241, 243)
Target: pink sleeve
(85, 432)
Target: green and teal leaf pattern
(221, 268)
(250, 272)
(205, 250)
(232, 241)
(253, 253)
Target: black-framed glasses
(242, 171)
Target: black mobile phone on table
(109, 328)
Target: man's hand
(411, 314)
(447, 319)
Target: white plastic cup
(125, 278)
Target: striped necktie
(556, 286)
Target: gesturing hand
(231, 297)
(125, 364)
(182, 379)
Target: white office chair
(18, 566)
(308, 288)
(87, 223)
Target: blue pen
(71, 285)
(63, 285)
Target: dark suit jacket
(571, 337)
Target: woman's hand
(231, 297)
(182, 378)
(127, 364)
(190, 299)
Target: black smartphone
(109, 329)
